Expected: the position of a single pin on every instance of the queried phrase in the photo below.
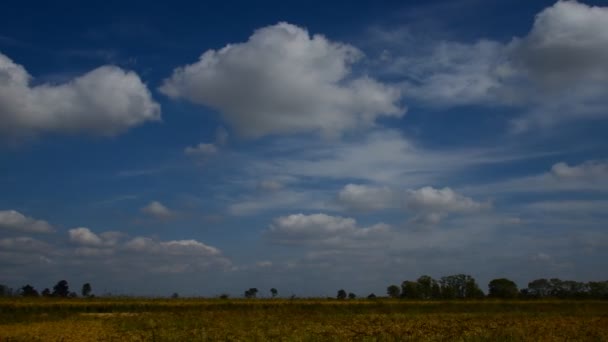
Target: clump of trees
(61, 289)
(251, 293)
(567, 289)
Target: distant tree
(175, 295)
(393, 291)
(460, 286)
(5, 291)
(29, 291)
(428, 287)
(273, 292)
(371, 296)
(86, 290)
(224, 296)
(61, 289)
(341, 294)
(598, 289)
(410, 290)
(251, 293)
(72, 294)
(351, 295)
(539, 288)
(46, 292)
(502, 288)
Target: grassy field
(300, 320)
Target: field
(300, 320)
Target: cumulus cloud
(157, 210)
(558, 71)
(14, 220)
(84, 236)
(427, 203)
(322, 229)
(368, 198)
(283, 80)
(174, 247)
(441, 200)
(105, 101)
(23, 244)
(588, 170)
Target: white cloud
(283, 80)
(427, 203)
(174, 247)
(589, 176)
(157, 210)
(368, 198)
(279, 200)
(84, 236)
(591, 170)
(322, 229)
(429, 199)
(23, 244)
(201, 150)
(557, 72)
(568, 43)
(14, 220)
(105, 101)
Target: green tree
(251, 293)
(393, 291)
(341, 294)
(371, 296)
(502, 288)
(409, 289)
(61, 289)
(46, 292)
(598, 289)
(86, 290)
(427, 287)
(5, 291)
(29, 291)
(460, 286)
(539, 288)
(351, 295)
(273, 292)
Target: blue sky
(153, 148)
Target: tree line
(463, 286)
(61, 289)
(458, 286)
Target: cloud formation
(322, 229)
(282, 81)
(558, 72)
(14, 220)
(106, 101)
(157, 210)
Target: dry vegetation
(300, 320)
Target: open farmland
(300, 320)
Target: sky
(206, 148)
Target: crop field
(300, 320)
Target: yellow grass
(300, 320)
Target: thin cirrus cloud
(105, 101)
(283, 81)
